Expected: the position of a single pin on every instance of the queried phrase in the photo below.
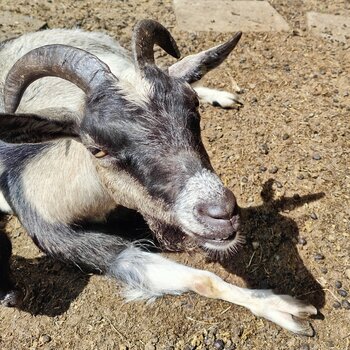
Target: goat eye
(196, 103)
(97, 152)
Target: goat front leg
(149, 275)
(217, 98)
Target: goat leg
(218, 98)
(148, 275)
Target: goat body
(96, 128)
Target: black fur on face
(158, 142)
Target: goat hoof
(12, 298)
(303, 327)
(286, 311)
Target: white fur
(157, 275)
(4, 206)
(200, 188)
(212, 96)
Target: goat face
(158, 145)
(146, 140)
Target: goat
(96, 128)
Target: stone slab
(329, 26)
(228, 16)
(13, 24)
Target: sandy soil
(285, 155)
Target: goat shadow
(50, 286)
(270, 258)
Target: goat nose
(223, 210)
(216, 211)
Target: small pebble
(302, 241)
(264, 149)
(262, 169)
(316, 156)
(285, 136)
(237, 332)
(300, 177)
(150, 346)
(244, 179)
(45, 339)
(313, 216)
(342, 293)
(154, 340)
(305, 347)
(338, 284)
(219, 344)
(318, 257)
(345, 304)
(273, 170)
(336, 305)
(278, 184)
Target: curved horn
(75, 65)
(146, 34)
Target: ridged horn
(75, 65)
(146, 34)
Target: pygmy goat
(96, 128)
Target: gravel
(342, 293)
(338, 284)
(319, 257)
(337, 305)
(345, 304)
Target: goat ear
(31, 128)
(193, 68)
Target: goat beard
(170, 237)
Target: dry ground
(296, 89)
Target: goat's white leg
(215, 97)
(149, 275)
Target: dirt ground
(285, 155)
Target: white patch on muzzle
(204, 186)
